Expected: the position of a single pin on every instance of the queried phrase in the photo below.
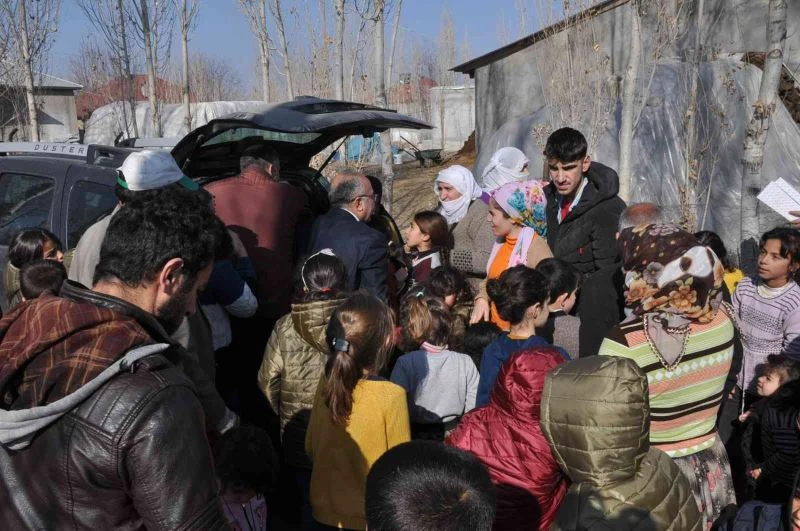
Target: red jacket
(265, 214)
(506, 436)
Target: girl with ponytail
(357, 415)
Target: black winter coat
(586, 238)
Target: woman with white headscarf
(465, 213)
(507, 165)
(458, 194)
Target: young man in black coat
(583, 211)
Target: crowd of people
(535, 355)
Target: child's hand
(480, 312)
(755, 473)
(796, 513)
(744, 416)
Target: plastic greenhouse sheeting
(727, 91)
(107, 122)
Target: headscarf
(504, 167)
(525, 203)
(462, 180)
(671, 280)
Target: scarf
(462, 180)
(526, 203)
(519, 256)
(50, 347)
(671, 281)
(504, 167)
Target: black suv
(67, 187)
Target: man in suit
(344, 229)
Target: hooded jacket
(124, 449)
(595, 415)
(294, 362)
(506, 436)
(586, 238)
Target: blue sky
(222, 30)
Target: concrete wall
(57, 116)
(452, 115)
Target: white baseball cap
(149, 170)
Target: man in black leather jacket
(99, 426)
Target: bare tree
(629, 101)
(338, 75)
(757, 129)
(108, 19)
(688, 190)
(152, 21)
(256, 13)
(187, 11)
(214, 79)
(277, 13)
(30, 25)
(398, 10)
(380, 100)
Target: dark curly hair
(517, 289)
(144, 235)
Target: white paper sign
(781, 197)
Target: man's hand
(755, 473)
(795, 223)
(480, 312)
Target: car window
(232, 135)
(25, 201)
(88, 202)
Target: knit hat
(149, 170)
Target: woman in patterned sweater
(682, 338)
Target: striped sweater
(683, 402)
(767, 326)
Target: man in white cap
(143, 176)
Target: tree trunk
(756, 134)
(126, 63)
(338, 74)
(185, 59)
(380, 101)
(30, 95)
(264, 53)
(628, 104)
(688, 191)
(263, 41)
(151, 69)
(390, 72)
(278, 14)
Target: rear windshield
(239, 133)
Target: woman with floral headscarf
(682, 336)
(518, 218)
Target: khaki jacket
(595, 415)
(294, 362)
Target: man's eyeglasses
(373, 196)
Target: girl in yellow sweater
(357, 416)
